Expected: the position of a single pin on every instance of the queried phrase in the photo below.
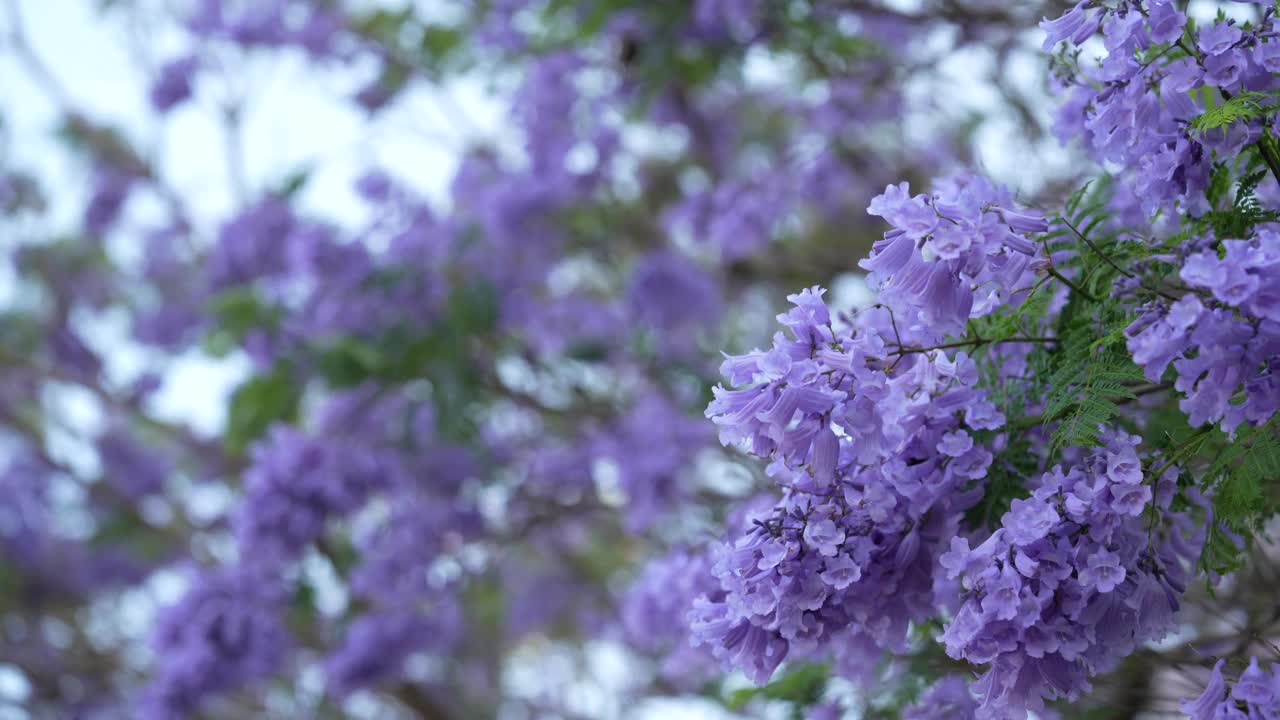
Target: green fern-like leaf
(1245, 212)
(801, 685)
(1219, 184)
(1082, 424)
(1245, 106)
(1241, 479)
(1025, 319)
(1091, 376)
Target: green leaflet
(1090, 374)
(259, 402)
(1244, 213)
(237, 312)
(801, 684)
(1241, 480)
(1242, 107)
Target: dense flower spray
(1071, 582)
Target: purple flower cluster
(109, 194)
(295, 485)
(172, 318)
(1224, 335)
(271, 23)
(654, 447)
(251, 245)
(397, 558)
(377, 645)
(959, 253)
(556, 116)
(671, 296)
(226, 631)
(346, 290)
(874, 449)
(129, 467)
(1254, 696)
(658, 174)
(724, 19)
(1135, 109)
(53, 565)
(737, 218)
(1071, 582)
(666, 589)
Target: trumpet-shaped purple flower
(1221, 338)
(1256, 694)
(959, 253)
(946, 699)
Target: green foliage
(237, 312)
(1089, 374)
(486, 603)
(413, 44)
(1240, 108)
(1101, 252)
(824, 47)
(576, 24)
(1007, 476)
(1006, 481)
(19, 330)
(382, 23)
(258, 403)
(1023, 320)
(103, 143)
(1245, 212)
(125, 530)
(1219, 184)
(902, 695)
(293, 183)
(11, 582)
(1089, 203)
(349, 361)
(1090, 378)
(662, 58)
(440, 353)
(440, 43)
(66, 255)
(411, 354)
(437, 352)
(341, 553)
(1241, 479)
(800, 684)
(302, 600)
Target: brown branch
(415, 699)
(975, 342)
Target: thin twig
(1106, 258)
(1070, 284)
(975, 342)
